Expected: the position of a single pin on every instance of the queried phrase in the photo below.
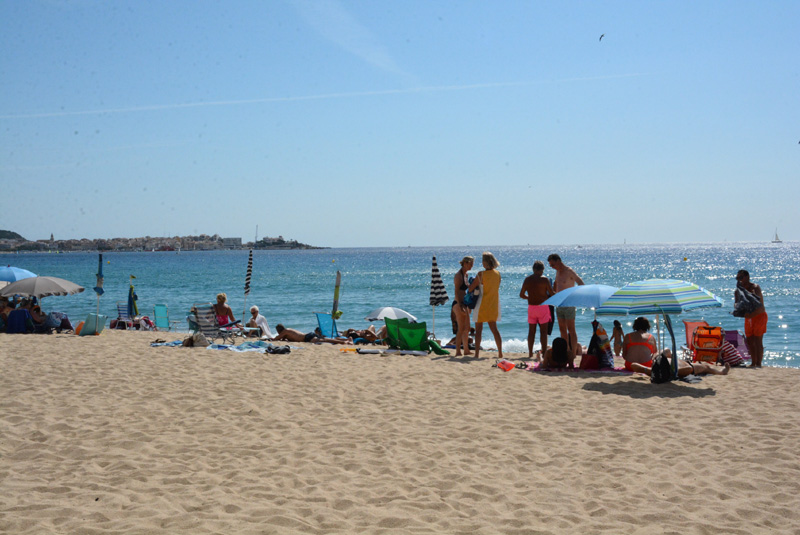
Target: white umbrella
(41, 287)
(392, 313)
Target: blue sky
(394, 123)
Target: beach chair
(707, 343)
(691, 326)
(161, 318)
(413, 337)
(19, 321)
(124, 321)
(736, 339)
(392, 331)
(94, 324)
(207, 324)
(327, 325)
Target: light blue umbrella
(13, 274)
(584, 296)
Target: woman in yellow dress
(488, 308)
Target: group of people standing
(477, 299)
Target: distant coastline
(14, 243)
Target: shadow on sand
(641, 389)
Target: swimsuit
(757, 325)
(565, 313)
(538, 314)
(310, 336)
(650, 345)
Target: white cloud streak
(325, 96)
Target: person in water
(617, 334)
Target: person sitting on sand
(293, 335)
(259, 322)
(686, 368)
(35, 311)
(639, 346)
(559, 356)
(223, 311)
(6, 306)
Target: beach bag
(589, 361)
(746, 302)
(471, 299)
(661, 372)
(200, 340)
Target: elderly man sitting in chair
(259, 322)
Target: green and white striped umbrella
(657, 296)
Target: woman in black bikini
(461, 283)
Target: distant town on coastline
(13, 242)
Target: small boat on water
(776, 239)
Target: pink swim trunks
(538, 314)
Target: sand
(109, 435)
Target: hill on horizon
(9, 235)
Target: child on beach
(617, 335)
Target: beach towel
(614, 371)
(746, 302)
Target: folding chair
(392, 331)
(207, 324)
(691, 326)
(327, 325)
(124, 321)
(413, 336)
(94, 324)
(161, 318)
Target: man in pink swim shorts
(536, 289)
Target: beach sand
(106, 434)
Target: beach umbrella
(584, 296)
(335, 308)
(99, 288)
(41, 287)
(657, 296)
(438, 292)
(13, 274)
(392, 313)
(247, 279)
(133, 310)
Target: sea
(290, 285)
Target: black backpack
(661, 372)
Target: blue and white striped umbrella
(657, 296)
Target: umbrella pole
(433, 327)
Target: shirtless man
(565, 278)
(755, 322)
(536, 289)
(293, 335)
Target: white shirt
(262, 324)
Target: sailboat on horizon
(776, 239)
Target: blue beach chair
(94, 324)
(327, 325)
(161, 318)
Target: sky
(401, 123)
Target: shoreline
(109, 434)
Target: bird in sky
(601, 37)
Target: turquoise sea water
(289, 285)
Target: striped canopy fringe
(249, 274)
(658, 296)
(438, 292)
